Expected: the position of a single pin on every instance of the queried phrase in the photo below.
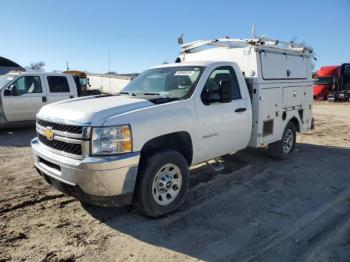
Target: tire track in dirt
(328, 235)
(274, 240)
(30, 202)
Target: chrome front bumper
(104, 177)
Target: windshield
(83, 81)
(324, 80)
(5, 79)
(170, 82)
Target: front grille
(61, 127)
(74, 149)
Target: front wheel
(282, 149)
(162, 183)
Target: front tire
(282, 149)
(162, 184)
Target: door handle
(44, 99)
(240, 110)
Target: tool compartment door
(293, 97)
(282, 66)
(307, 107)
(270, 113)
(273, 65)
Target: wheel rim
(166, 184)
(288, 140)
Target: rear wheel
(162, 183)
(284, 148)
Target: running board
(217, 166)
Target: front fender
(151, 122)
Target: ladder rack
(235, 43)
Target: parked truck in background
(332, 83)
(326, 80)
(79, 75)
(220, 97)
(341, 90)
(83, 83)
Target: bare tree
(37, 66)
(111, 73)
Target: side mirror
(11, 91)
(206, 96)
(225, 91)
(7, 92)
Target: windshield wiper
(159, 100)
(149, 94)
(126, 93)
(157, 96)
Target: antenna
(253, 32)
(109, 71)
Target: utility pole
(109, 71)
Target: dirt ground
(256, 209)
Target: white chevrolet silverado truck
(220, 97)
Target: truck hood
(91, 110)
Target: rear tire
(282, 149)
(162, 183)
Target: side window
(58, 84)
(236, 91)
(220, 74)
(28, 85)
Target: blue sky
(140, 34)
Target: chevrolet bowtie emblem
(49, 133)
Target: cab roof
(36, 73)
(191, 63)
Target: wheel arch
(180, 141)
(296, 122)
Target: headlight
(111, 140)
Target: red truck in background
(341, 91)
(333, 83)
(325, 81)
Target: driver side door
(25, 99)
(222, 126)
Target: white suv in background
(23, 94)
